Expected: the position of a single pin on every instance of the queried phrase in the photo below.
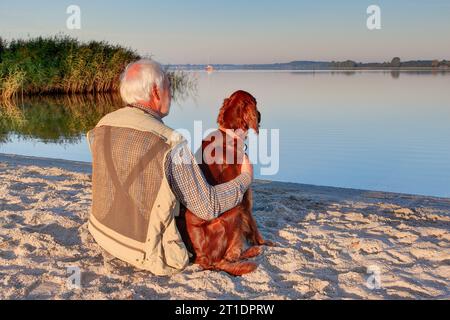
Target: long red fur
(220, 244)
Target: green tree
(2, 48)
(396, 62)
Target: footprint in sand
(430, 254)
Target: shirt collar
(147, 110)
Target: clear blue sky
(244, 31)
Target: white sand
(327, 239)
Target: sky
(244, 31)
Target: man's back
(127, 176)
(133, 207)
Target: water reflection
(395, 74)
(56, 119)
(375, 130)
(64, 119)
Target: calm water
(366, 130)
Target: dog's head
(239, 111)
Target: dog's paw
(233, 255)
(268, 243)
(251, 252)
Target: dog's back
(219, 244)
(217, 171)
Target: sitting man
(143, 170)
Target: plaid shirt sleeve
(193, 191)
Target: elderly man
(143, 170)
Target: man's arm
(193, 191)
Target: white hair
(138, 79)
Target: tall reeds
(183, 85)
(11, 81)
(62, 64)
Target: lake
(377, 130)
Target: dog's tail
(236, 268)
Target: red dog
(219, 244)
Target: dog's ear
(252, 117)
(221, 117)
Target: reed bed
(62, 64)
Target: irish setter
(220, 244)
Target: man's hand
(246, 166)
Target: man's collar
(147, 110)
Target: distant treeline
(63, 64)
(395, 63)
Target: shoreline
(330, 241)
(231, 70)
(86, 167)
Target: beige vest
(133, 207)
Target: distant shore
(332, 243)
(395, 65)
(320, 70)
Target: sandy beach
(332, 243)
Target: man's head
(144, 82)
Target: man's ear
(156, 93)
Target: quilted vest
(133, 207)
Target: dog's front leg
(235, 247)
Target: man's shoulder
(134, 118)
